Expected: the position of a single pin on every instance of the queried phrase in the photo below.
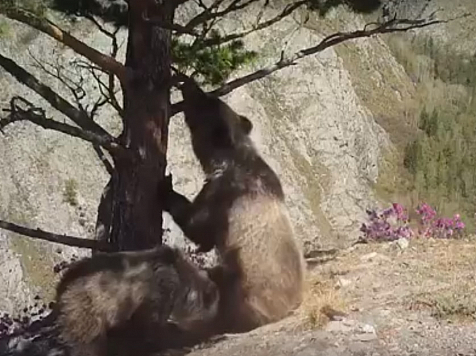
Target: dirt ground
(376, 299)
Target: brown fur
(123, 300)
(240, 211)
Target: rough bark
(137, 213)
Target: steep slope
(320, 124)
(312, 128)
(458, 33)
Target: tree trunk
(137, 211)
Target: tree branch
(108, 90)
(61, 239)
(59, 103)
(75, 86)
(180, 2)
(52, 30)
(288, 10)
(327, 42)
(209, 14)
(111, 95)
(79, 117)
(104, 160)
(394, 25)
(38, 117)
(179, 29)
(101, 28)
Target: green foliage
(444, 63)
(113, 11)
(454, 306)
(429, 123)
(442, 158)
(359, 6)
(38, 7)
(412, 155)
(214, 63)
(448, 65)
(5, 4)
(4, 29)
(209, 58)
(70, 192)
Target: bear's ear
(245, 124)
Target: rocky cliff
(322, 125)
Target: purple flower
(388, 212)
(392, 223)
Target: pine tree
(129, 215)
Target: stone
(400, 244)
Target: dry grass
(450, 260)
(434, 275)
(458, 305)
(320, 292)
(454, 263)
(429, 278)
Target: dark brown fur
(241, 210)
(123, 300)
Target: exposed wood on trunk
(137, 213)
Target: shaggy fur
(119, 302)
(240, 211)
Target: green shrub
(70, 192)
(441, 156)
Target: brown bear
(123, 300)
(241, 211)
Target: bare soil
(376, 299)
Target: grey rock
(351, 327)
(400, 244)
(309, 124)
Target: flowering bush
(388, 225)
(431, 226)
(392, 224)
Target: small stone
(342, 282)
(332, 313)
(374, 256)
(338, 327)
(369, 256)
(366, 328)
(366, 337)
(401, 244)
